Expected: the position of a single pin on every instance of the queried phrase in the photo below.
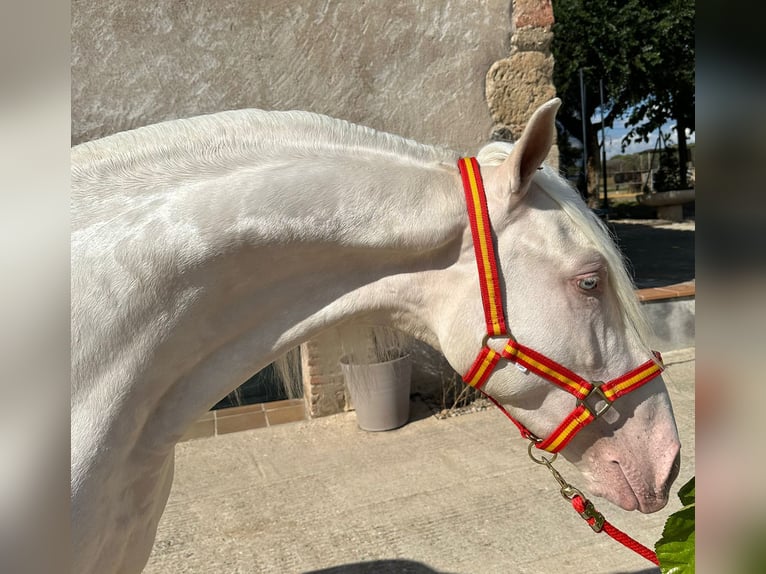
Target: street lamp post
(605, 202)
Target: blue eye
(588, 283)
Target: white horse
(205, 248)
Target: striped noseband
(593, 398)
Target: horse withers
(205, 248)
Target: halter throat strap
(592, 399)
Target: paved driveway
(451, 496)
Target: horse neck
(220, 277)
(332, 241)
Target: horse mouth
(628, 491)
(620, 491)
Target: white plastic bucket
(380, 392)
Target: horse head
(567, 299)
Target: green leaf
(686, 493)
(675, 550)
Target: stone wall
(518, 84)
(442, 72)
(412, 68)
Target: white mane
(558, 189)
(240, 136)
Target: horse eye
(588, 283)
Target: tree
(669, 80)
(643, 50)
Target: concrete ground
(451, 496)
(659, 252)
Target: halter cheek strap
(481, 229)
(592, 400)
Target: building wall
(412, 68)
(443, 72)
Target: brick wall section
(323, 384)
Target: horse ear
(532, 148)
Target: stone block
(534, 13)
(531, 40)
(516, 86)
(329, 400)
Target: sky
(615, 134)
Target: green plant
(667, 177)
(675, 549)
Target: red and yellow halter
(592, 399)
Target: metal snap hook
(567, 490)
(542, 459)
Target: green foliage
(643, 50)
(670, 72)
(667, 177)
(623, 162)
(675, 550)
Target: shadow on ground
(657, 255)
(380, 567)
(409, 567)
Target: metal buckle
(595, 410)
(591, 512)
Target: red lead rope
(593, 517)
(585, 508)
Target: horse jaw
(633, 460)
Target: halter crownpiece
(592, 399)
